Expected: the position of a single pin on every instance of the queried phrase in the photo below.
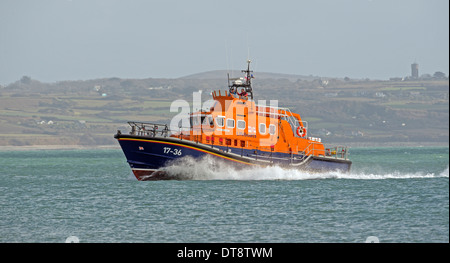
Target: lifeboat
(235, 129)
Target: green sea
(391, 194)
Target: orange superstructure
(241, 123)
(238, 122)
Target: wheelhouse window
(241, 124)
(262, 128)
(272, 129)
(208, 121)
(194, 120)
(220, 121)
(230, 123)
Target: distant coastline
(357, 113)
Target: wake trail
(211, 169)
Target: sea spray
(208, 168)
(444, 173)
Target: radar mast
(244, 82)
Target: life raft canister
(301, 131)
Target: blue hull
(147, 155)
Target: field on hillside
(90, 112)
(62, 119)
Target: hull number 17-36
(168, 150)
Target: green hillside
(338, 111)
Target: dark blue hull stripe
(154, 153)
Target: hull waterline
(148, 156)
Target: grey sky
(53, 40)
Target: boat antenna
(248, 77)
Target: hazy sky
(53, 40)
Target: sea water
(391, 194)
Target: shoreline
(117, 147)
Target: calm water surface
(395, 194)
